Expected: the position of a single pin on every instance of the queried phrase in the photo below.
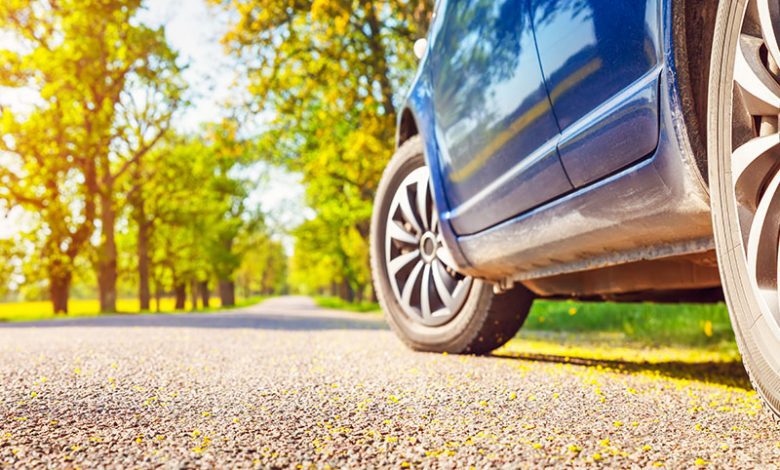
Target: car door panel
(492, 114)
(614, 135)
(600, 61)
(535, 179)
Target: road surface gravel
(288, 385)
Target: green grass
(339, 304)
(42, 310)
(681, 341)
(700, 325)
(646, 324)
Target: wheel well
(407, 128)
(693, 28)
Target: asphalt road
(285, 384)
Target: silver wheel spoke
(399, 262)
(749, 152)
(422, 206)
(398, 233)
(444, 254)
(760, 90)
(750, 164)
(411, 282)
(769, 16)
(434, 225)
(763, 237)
(406, 209)
(462, 290)
(441, 285)
(425, 300)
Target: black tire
(760, 348)
(484, 322)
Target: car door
(600, 61)
(495, 129)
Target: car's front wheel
(427, 302)
(744, 174)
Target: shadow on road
(301, 314)
(731, 373)
(298, 321)
(291, 313)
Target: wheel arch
(693, 25)
(406, 128)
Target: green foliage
(330, 71)
(106, 87)
(9, 259)
(649, 323)
(116, 196)
(339, 304)
(263, 267)
(188, 201)
(317, 260)
(192, 204)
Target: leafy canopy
(330, 72)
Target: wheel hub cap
(420, 268)
(428, 247)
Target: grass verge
(699, 325)
(33, 311)
(642, 325)
(339, 304)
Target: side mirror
(420, 46)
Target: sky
(194, 29)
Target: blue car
(589, 149)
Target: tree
(228, 151)
(38, 177)
(189, 215)
(10, 255)
(318, 264)
(263, 263)
(87, 61)
(171, 206)
(140, 59)
(162, 196)
(330, 72)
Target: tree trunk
(107, 261)
(157, 295)
(144, 296)
(227, 292)
(181, 296)
(346, 291)
(59, 287)
(194, 294)
(204, 293)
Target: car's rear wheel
(427, 302)
(744, 174)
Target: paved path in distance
(286, 384)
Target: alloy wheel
(420, 268)
(755, 158)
